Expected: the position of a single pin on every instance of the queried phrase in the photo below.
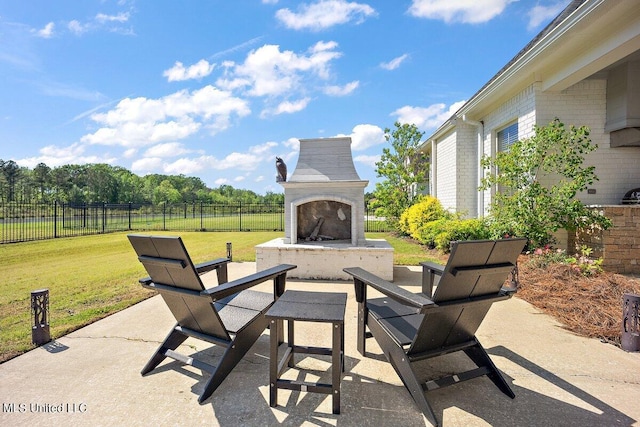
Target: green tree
(11, 173)
(404, 168)
(538, 179)
(42, 179)
(165, 192)
(101, 184)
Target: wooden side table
(323, 307)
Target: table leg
(336, 362)
(273, 363)
(290, 343)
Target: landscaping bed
(588, 306)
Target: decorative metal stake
(40, 313)
(229, 255)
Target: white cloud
(77, 28)
(463, 11)
(426, 117)
(539, 14)
(113, 23)
(179, 72)
(54, 156)
(170, 149)
(394, 63)
(342, 90)
(147, 165)
(368, 160)
(287, 107)
(325, 14)
(247, 161)
(130, 153)
(188, 166)
(280, 76)
(47, 31)
(120, 17)
(292, 143)
(143, 121)
(365, 136)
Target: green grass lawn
(90, 277)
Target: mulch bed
(587, 306)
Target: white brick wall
(466, 170)
(585, 104)
(520, 108)
(582, 104)
(446, 172)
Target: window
(507, 136)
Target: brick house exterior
(583, 68)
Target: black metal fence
(30, 221)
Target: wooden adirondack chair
(413, 327)
(230, 315)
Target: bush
(583, 264)
(414, 218)
(460, 229)
(428, 234)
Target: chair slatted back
(470, 284)
(168, 263)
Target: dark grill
(632, 197)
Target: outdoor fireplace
(324, 197)
(324, 217)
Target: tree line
(103, 183)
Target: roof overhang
(596, 35)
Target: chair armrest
(433, 267)
(207, 266)
(278, 273)
(220, 265)
(389, 289)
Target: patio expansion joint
(116, 337)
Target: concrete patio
(91, 376)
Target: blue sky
(217, 89)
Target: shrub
(430, 231)
(461, 229)
(539, 179)
(583, 264)
(414, 218)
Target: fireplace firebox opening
(324, 220)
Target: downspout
(434, 169)
(480, 149)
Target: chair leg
(361, 338)
(171, 342)
(402, 366)
(233, 354)
(480, 357)
(400, 362)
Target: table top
(310, 306)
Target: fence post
(55, 219)
(164, 216)
(129, 215)
(240, 209)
